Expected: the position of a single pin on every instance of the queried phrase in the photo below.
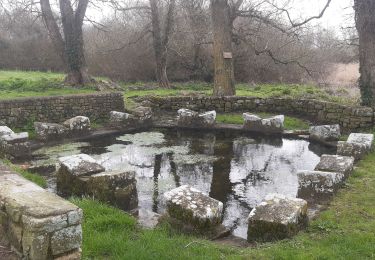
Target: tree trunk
(161, 40)
(223, 59)
(365, 23)
(70, 47)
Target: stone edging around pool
(349, 117)
(37, 224)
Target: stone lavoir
(50, 227)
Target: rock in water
(192, 207)
(325, 133)
(277, 217)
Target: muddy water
(237, 169)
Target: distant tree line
(168, 40)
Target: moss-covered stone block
(277, 217)
(192, 207)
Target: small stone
(66, 240)
(336, 163)
(4, 130)
(325, 133)
(35, 245)
(277, 217)
(318, 185)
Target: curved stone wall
(348, 117)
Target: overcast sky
(338, 14)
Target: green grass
(290, 123)
(37, 179)
(16, 84)
(345, 231)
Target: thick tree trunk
(223, 60)
(365, 23)
(70, 47)
(161, 40)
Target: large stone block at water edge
(336, 163)
(277, 217)
(355, 150)
(318, 185)
(270, 125)
(115, 187)
(78, 125)
(74, 172)
(190, 118)
(325, 133)
(191, 206)
(366, 139)
(50, 131)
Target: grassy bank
(345, 231)
(15, 84)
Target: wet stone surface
(237, 169)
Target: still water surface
(237, 169)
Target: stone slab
(277, 217)
(318, 185)
(80, 165)
(191, 206)
(325, 133)
(336, 163)
(366, 139)
(356, 150)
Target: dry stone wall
(348, 117)
(19, 112)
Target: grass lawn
(345, 231)
(290, 123)
(14, 84)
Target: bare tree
(69, 44)
(365, 23)
(161, 39)
(223, 57)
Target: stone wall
(318, 111)
(55, 109)
(38, 224)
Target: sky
(339, 13)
